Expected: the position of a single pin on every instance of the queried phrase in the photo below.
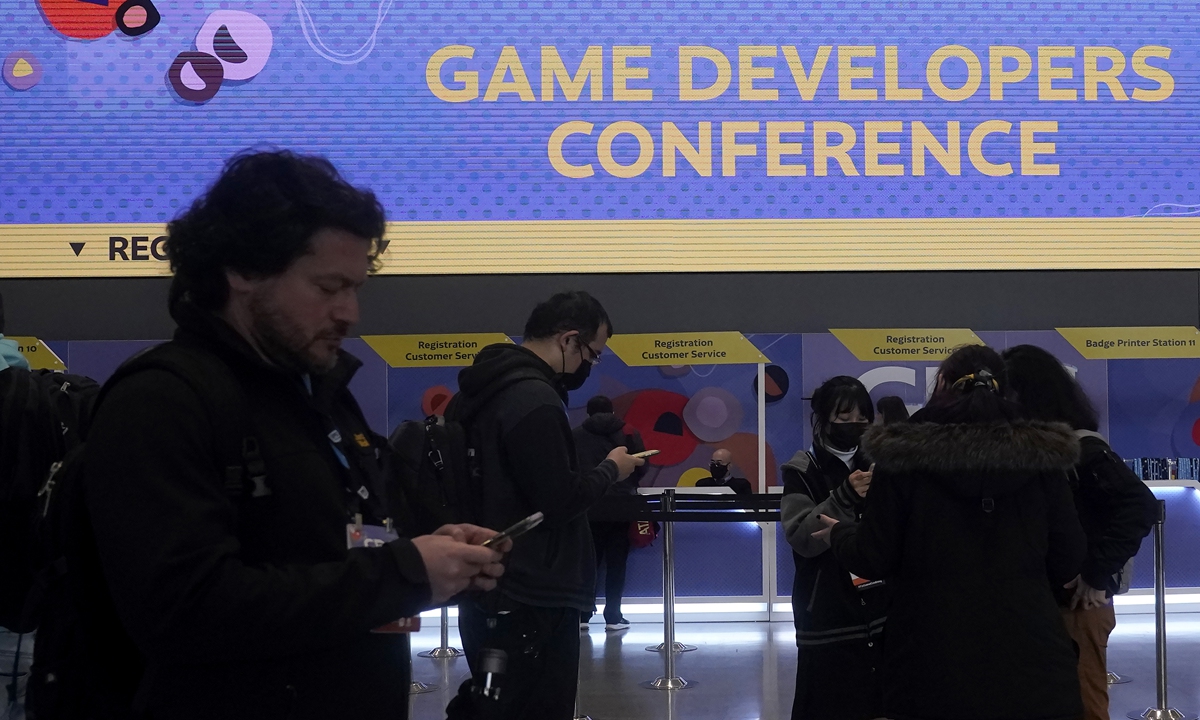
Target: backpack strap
(244, 470)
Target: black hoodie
(974, 527)
(598, 436)
(513, 409)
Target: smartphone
(516, 530)
(645, 454)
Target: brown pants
(1090, 629)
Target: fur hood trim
(1019, 447)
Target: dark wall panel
(120, 309)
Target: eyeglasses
(595, 356)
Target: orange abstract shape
(81, 19)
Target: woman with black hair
(1115, 508)
(839, 617)
(971, 523)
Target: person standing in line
(512, 403)
(224, 529)
(971, 522)
(1115, 507)
(594, 440)
(839, 616)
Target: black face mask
(718, 470)
(575, 380)
(846, 436)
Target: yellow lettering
(1166, 82)
(699, 158)
(873, 148)
(645, 149)
(823, 151)
(557, 160)
(949, 157)
(933, 73)
(748, 73)
(1111, 76)
(1048, 73)
(975, 148)
(623, 73)
(848, 72)
(807, 82)
(469, 78)
(731, 150)
(591, 68)
(777, 148)
(687, 58)
(509, 62)
(1030, 148)
(998, 77)
(891, 78)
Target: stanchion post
(669, 681)
(443, 651)
(416, 687)
(668, 503)
(1163, 710)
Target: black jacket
(1116, 510)
(827, 605)
(248, 607)
(597, 437)
(528, 464)
(974, 527)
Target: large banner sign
(522, 136)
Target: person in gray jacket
(839, 617)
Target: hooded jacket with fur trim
(974, 527)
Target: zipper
(48, 488)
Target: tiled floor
(747, 670)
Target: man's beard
(284, 343)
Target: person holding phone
(839, 617)
(512, 402)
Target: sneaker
(621, 624)
(584, 627)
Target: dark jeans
(543, 660)
(612, 551)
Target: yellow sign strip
(39, 355)
(499, 247)
(456, 350)
(704, 348)
(915, 345)
(1124, 343)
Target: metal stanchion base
(666, 683)
(1161, 714)
(442, 653)
(420, 688)
(679, 648)
(581, 717)
(1115, 679)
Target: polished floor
(743, 671)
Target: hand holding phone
(518, 529)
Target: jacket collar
(205, 329)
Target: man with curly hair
(244, 582)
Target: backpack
(85, 665)
(437, 468)
(44, 414)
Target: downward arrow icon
(77, 247)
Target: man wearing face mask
(513, 404)
(719, 467)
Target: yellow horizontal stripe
(599, 246)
